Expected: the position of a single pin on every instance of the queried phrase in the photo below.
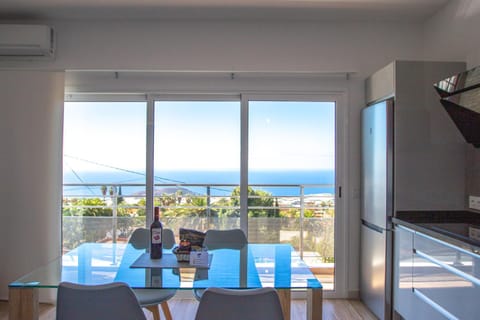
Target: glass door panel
(292, 179)
(104, 149)
(197, 164)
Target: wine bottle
(156, 230)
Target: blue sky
(200, 135)
(109, 133)
(293, 135)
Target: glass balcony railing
(276, 213)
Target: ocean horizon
(324, 177)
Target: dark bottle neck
(156, 214)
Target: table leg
(23, 303)
(314, 304)
(285, 301)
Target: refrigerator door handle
(372, 226)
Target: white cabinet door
(433, 279)
(444, 277)
(403, 269)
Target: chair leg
(154, 310)
(166, 310)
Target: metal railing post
(208, 207)
(114, 214)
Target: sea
(314, 182)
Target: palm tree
(104, 191)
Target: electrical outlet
(474, 202)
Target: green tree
(290, 213)
(256, 198)
(112, 191)
(179, 195)
(142, 203)
(276, 211)
(220, 209)
(201, 203)
(120, 199)
(88, 207)
(104, 191)
(166, 200)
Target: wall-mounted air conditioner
(26, 41)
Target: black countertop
(449, 226)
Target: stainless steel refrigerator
(377, 208)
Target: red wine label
(156, 236)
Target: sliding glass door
(266, 165)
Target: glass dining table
(251, 266)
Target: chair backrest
(107, 301)
(225, 239)
(140, 238)
(248, 304)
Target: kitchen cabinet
(403, 270)
(434, 279)
(444, 277)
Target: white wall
(30, 171)
(233, 45)
(452, 34)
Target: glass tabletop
(252, 266)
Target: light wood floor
(184, 309)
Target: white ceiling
(411, 10)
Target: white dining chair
(225, 239)
(151, 298)
(248, 304)
(222, 239)
(112, 301)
